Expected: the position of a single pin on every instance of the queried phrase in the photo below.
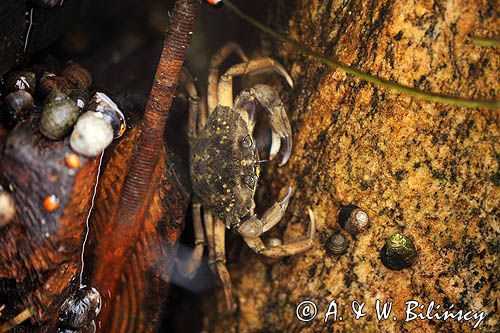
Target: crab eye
(249, 182)
(247, 141)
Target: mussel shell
(80, 309)
(336, 244)
(59, 115)
(102, 103)
(16, 106)
(20, 80)
(91, 135)
(78, 77)
(398, 252)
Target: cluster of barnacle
(398, 252)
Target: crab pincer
(269, 100)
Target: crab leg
(274, 214)
(252, 228)
(269, 99)
(225, 88)
(188, 83)
(279, 251)
(190, 266)
(213, 75)
(209, 231)
(220, 262)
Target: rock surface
(424, 169)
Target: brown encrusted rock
(40, 248)
(425, 169)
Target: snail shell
(16, 105)
(59, 115)
(80, 96)
(353, 219)
(91, 135)
(79, 310)
(78, 76)
(20, 80)
(7, 208)
(102, 103)
(50, 81)
(398, 252)
(336, 244)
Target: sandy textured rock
(427, 170)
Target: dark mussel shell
(102, 103)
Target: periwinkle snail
(353, 219)
(20, 80)
(77, 76)
(336, 244)
(59, 115)
(50, 81)
(16, 105)
(398, 252)
(80, 309)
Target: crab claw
(269, 99)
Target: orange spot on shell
(168, 187)
(50, 203)
(72, 160)
(213, 2)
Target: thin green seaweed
(335, 63)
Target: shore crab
(224, 164)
